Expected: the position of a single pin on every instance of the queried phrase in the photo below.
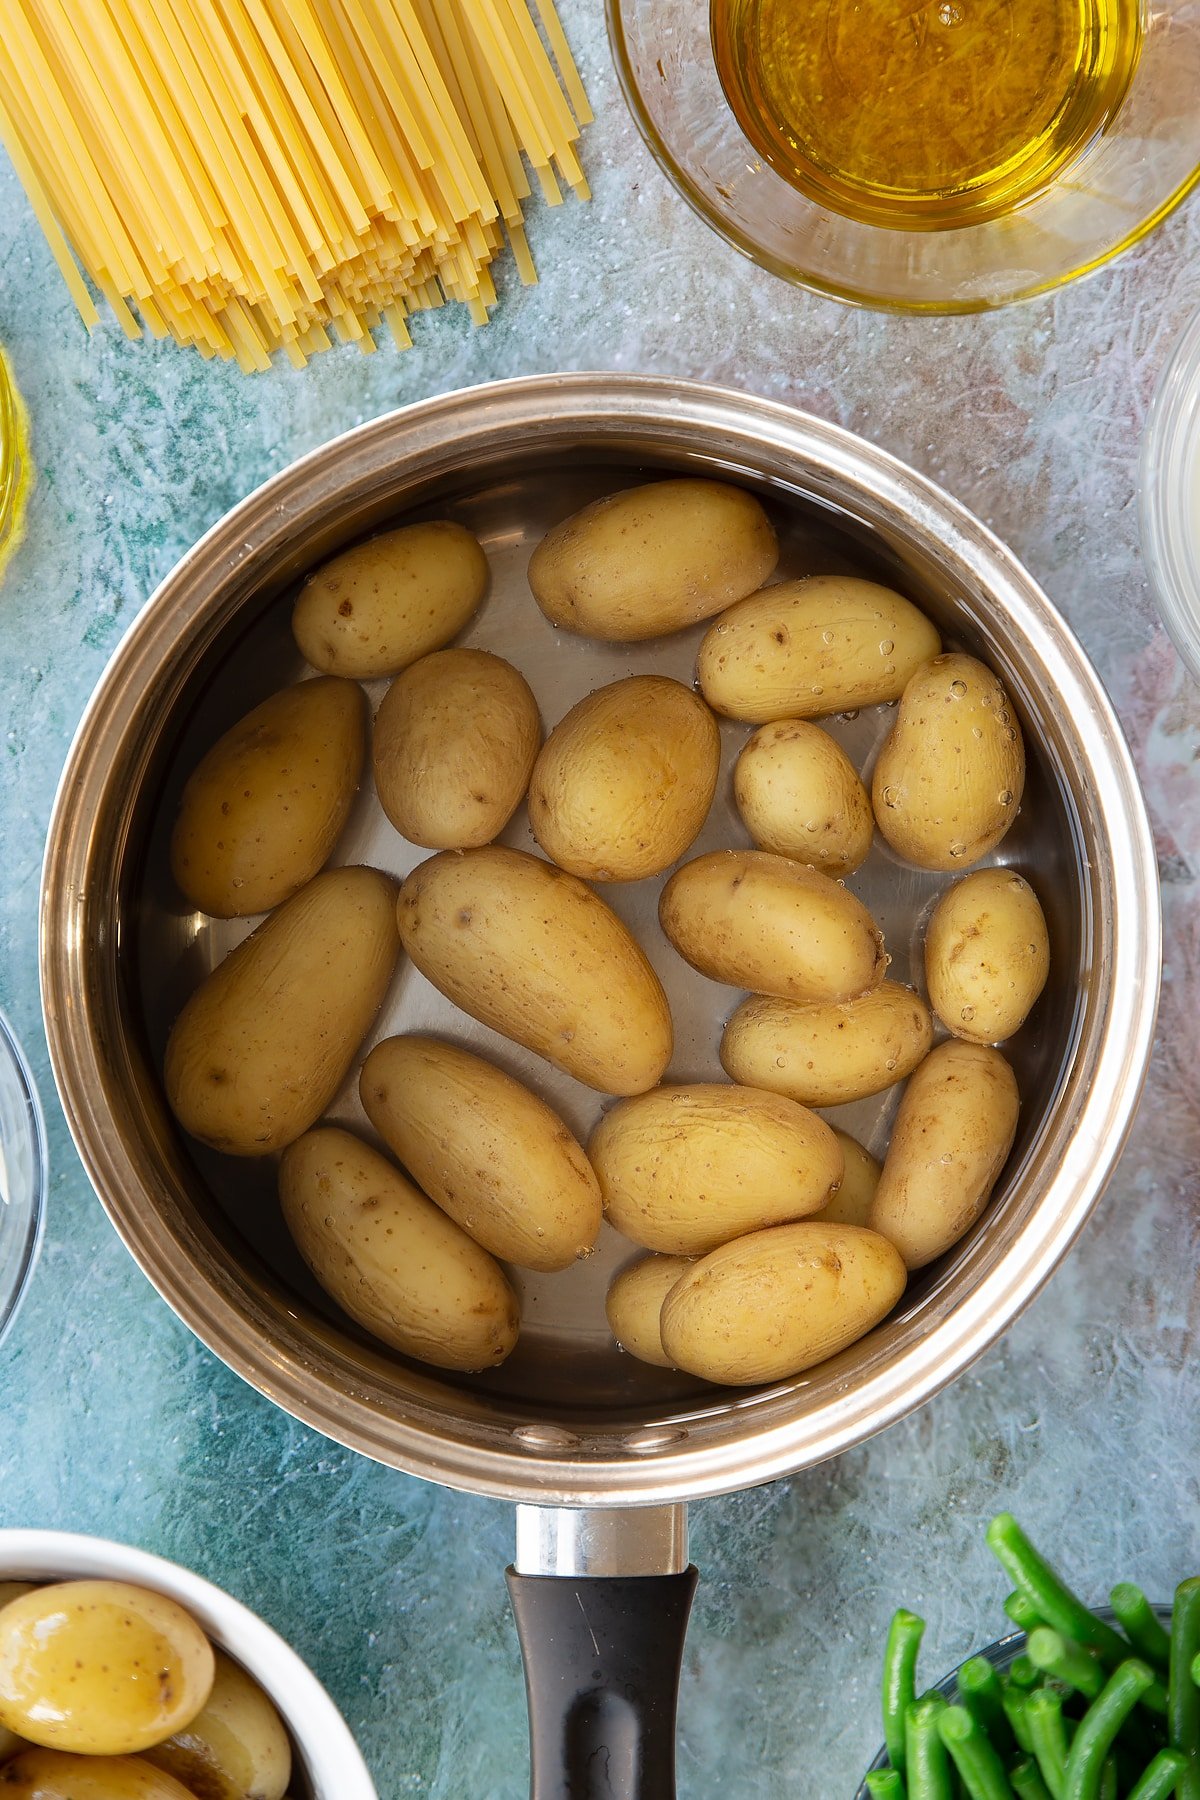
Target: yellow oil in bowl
(16, 469)
(928, 115)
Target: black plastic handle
(602, 1658)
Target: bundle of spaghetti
(261, 175)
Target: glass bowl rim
(13, 1060)
(1172, 421)
(810, 280)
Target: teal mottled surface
(1084, 1419)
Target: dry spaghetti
(256, 175)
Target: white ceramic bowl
(325, 1751)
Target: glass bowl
(22, 1175)
(1002, 1654)
(1123, 181)
(1170, 496)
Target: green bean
(928, 1771)
(1066, 1662)
(1108, 1780)
(1023, 1613)
(1043, 1715)
(1027, 1784)
(980, 1692)
(1052, 1599)
(1135, 1615)
(978, 1764)
(1100, 1725)
(886, 1784)
(899, 1680)
(1196, 1669)
(1023, 1673)
(1161, 1775)
(1183, 1717)
(1013, 1701)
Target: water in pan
(566, 1356)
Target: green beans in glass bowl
(1075, 1704)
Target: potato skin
(624, 782)
(800, 796)
(485, 1149)
(804, 649)
(265, 1042)
(263, 809)
(377, 607)
(952, 1136)
(391, 1258)
(455, 740)
(653, 559)
(851, 1205)
(987, 955)
(778, 1301)
(827, 1053)
(635, 1302)
(235, 1749)
(772, 925)
(949, 778)
(529, 950)
(687, 1168)
(100, 1668)
(57, 1775)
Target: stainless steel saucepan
(599, 1452)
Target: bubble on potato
(100, 1668)
(800, 796)
(235, 1749)
(828, 1053)
(805, 649)
(55, 1775)
(987, 955)
(634, 1305)
(263, 809)
(454, 746)
(624, 782)
(948, 782)
(379, 606)
(653, 559)
(771, 925)
(779, 1301)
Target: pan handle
(602, 1599)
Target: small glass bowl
(23, 1173)
(1119, 186)
(1169, 496)
(1002, 1654)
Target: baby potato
(100, 1668)
(949, 778)
(653, 559)
(802, 649)
(987, 955)
(774, 1303)
(635, 1302)
(799, 795)
(391, 1258)
(55, 1775)
(851, 1205)
(264, 1043)
(455, 742)
(379, 606)
(772, 925)
(952, 1136)
(264, 808)
(625, 780)
(485, 1149)
(686, 1168)
(532, 952)
(827, 1053)
(236, 1749)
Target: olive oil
(923, 114)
